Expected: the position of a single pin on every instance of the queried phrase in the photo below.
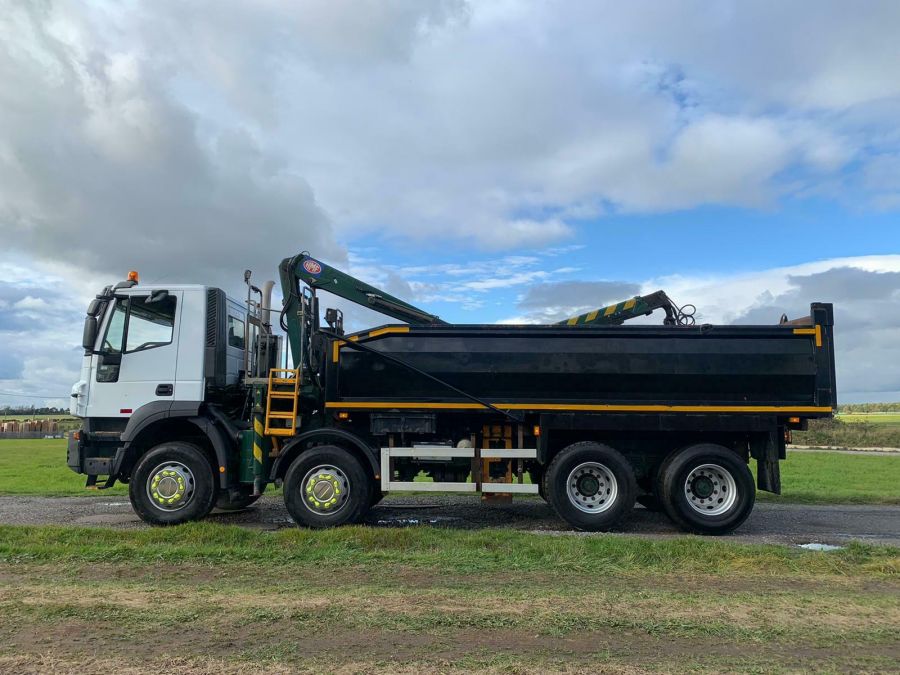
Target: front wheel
(171, 484)
(591, 486)
(326, 486)
(707, 489)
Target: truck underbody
(591, 414)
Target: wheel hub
(588, 485)
(592, 487)
(325, 489)
(703, 487)
(710, 489)
(170, 486)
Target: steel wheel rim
(170, 486)
(710, 489)
(325, 489)
(592, 488)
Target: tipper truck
(193, 399)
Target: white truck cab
(150, 346)
(151, 354)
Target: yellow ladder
(282, 396)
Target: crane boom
(318, 275)
(640, 305)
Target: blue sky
(493, 161)
(695, 242)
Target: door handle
(164, 390)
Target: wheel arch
(148, 430)
(343, 439)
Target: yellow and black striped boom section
(621, 312)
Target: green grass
(211, 598)
(852, 431)
(434, 550)
(837, 478)
(38, 467)
(873, 418)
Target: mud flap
(768, 449)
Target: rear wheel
(707, 489)
(327, 486)
(591, 486)
(171, 484)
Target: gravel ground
(769, 523)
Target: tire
(591, 486)
(172, 483)
(649, 502)
(225, 502)
(706, 489)
(340, 488)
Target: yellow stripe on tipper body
(593, 315)
(816, 330)
(257, 453)
(388, 331)
(589, 407)
(572, 321)
(609, 310)
(629, 304)
(258, 427)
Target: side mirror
(89, 336)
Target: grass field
(872, 418)
(39, 467)
(837, 478)
(206, 598)
(856, 430)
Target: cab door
(136, 358)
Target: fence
(46, 428)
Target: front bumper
(85, 458)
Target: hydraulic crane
(640, 305)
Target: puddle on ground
(408, 522)
(820, 547)
(113, 503)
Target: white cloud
(192, 131)
(192, 140)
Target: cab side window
(150, 324)
(235, 332)
(115, 331)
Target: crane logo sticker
(312, 266)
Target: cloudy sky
(490, 161)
